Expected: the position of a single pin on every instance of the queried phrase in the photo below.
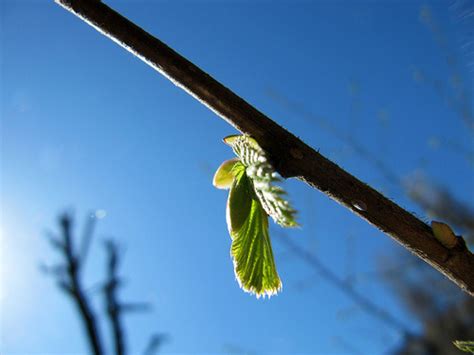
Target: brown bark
(290, 156)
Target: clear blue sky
(86, 126)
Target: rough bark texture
(290, 156)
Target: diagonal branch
(290, 156)
(155, 343)
(359, 298)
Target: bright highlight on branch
(252, 198)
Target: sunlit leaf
(230, 140)
(238, 202)
(224, 176)
(467, 346)
(251, 248)
(263, 177)
(252, 198)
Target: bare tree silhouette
(69, 277)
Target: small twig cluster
(69, 277)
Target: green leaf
(224, 176)
(263, 177)
(467, 346)
(231, 140)
(239, 200)
(252, 198)
(251, 248)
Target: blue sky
(86, 126)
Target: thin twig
(155, 343)
(86, 238)
(440, 203)
(290, 156)
(363, 302)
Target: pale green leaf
(467, 346)
(251, 248)
(230, 140)
(263, 177)
(224, 176)
(252, 198)
(238, 202)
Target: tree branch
(361, 300)
(71, 283)
(155, 343)
(290, 156)
(113, 306)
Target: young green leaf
(252, 198)
(238, 202)
(224, 176)
(467, 346)
(251, 248)
(231, 140)
(263, 176)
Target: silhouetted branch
(363, 302)
(135, 307)
(440, 203)
(114, 308)
(156, 341)
(460, 98)
(69, 280)
(290, 156)
(444, 313)
(87, 237)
